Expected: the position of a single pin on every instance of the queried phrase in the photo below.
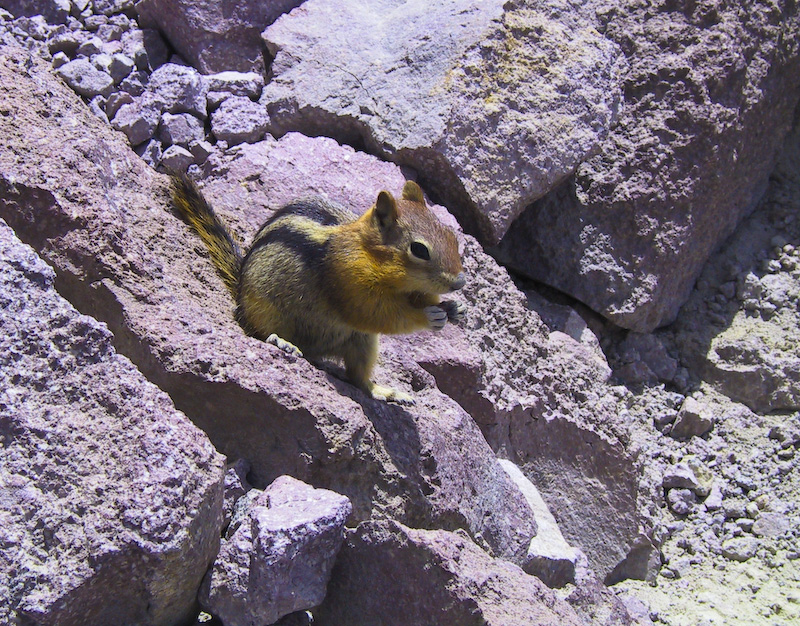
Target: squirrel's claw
(456, 311)
(286, 346)
(437, 317)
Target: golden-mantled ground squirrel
(322, 282)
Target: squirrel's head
(425, 248)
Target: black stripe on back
(310, 252)
(310, 209)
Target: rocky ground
(697, 429)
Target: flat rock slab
(112, 499)
(493, 103)
(392, 575)
(279, 559)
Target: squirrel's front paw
(437, 317)
(455, 310)
(287, 346)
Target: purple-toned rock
(177, 89)
(85, 79)
(177, 159)
(145, 47)
(138, 122)
(141, 271)
(697, 138)
(239, 120)
(389, 574)
(693, 420)
(180, 129)
(493, 103)
(108, 490)
(54, 11)
(558, 420)
(215, 37)
(550, 558)
(248, 84)
(280, 557)
(236, 486)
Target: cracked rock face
(107, 488)
(492, 103)
(708, 100)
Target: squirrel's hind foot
(387, 394)
(286, 346)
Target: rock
(151, 152)
(121, 66)
(693, 420)
(279, 560)
(680, 476)
(558, 419)
(176, 159)
(85, 79)
(239, 120)
(550, 558)
(54, 11)
(236, 486)
(111, 7)
(681, 501)
(247, 84)
(714, 500)
(201, 150)
(771, 524)
(629, 233)
(90, 47)
(140, 269)
(740, 548)
(138, 122)
(106, 485)
(146, 48)
(646, 360)
(115, 101)
(502, 103)
(177, 89)
(180, 129)
(211, 37)
(432, 574)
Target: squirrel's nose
(459, 282)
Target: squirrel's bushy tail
(223, 249)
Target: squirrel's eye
(420, 250)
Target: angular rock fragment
(493, 103)
(212, 37)
(238, 120)
(180, 129)
(109, 491)
(389, 574)
(85, 79)
(279, 559)
(697, 138)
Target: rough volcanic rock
(709, 95)
(98, 214)
(112, 499)
(215, 37)
(389, 574)
(279, 559)
(493, 103)
(539, 397)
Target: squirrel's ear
(385, 210)
(413, 192)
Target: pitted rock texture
(99, 215)
(213, 36)
(389, 574)
(709, 96)
(493, 103)
(107, 489)
(279, 558)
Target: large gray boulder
(215, 36)
(112, 500)
(493, 103)
(709, 95)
